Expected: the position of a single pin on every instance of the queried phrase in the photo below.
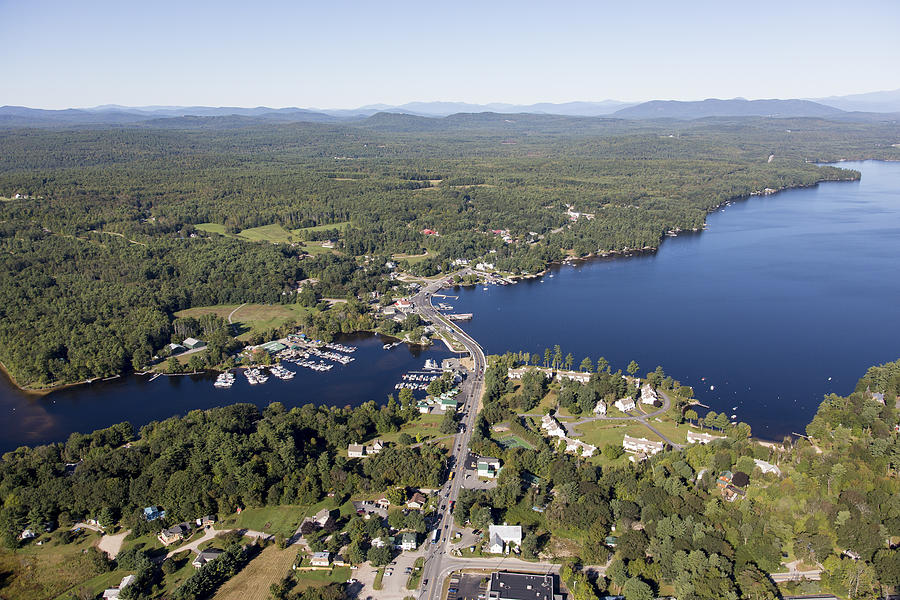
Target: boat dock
(445, 296)
(461, 317)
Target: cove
(784, 299)
(30, 420)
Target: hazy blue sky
(334, 54)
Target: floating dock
(461, 317)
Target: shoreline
(605, 254)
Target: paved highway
(471, 390)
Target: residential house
(488, 467)
(632, 444)
(173, 534)
(207, 520)
(320, 559)
(767, 467)
(403, 304)
(648, 395)
(381, 542)
(417, 501)
(174, 348)
(625, 404)
(484, 266)
(521, 586)
(579, 448)
(376, 447)
(600, 408)
(356, 450)
(152, 513)
(383, 502)
(329, 244)
(192, 343)
(579, 376)
(408, 541)
(502, 538)
(553, 428)
(694, 437)
(322, 517)
(206, 556)
(724, 479)
(732, 493)
(113, 593)
(27, 534)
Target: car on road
(425, 583)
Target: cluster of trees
(208, 462)
(836, 504)
(103, 251)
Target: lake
(30, 420)
(784, 299)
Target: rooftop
(520, 586)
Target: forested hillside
(102, 246)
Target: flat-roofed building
(521, 586)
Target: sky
(346, 54)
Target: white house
(767, 467)
(642, 445)
(579, 376)
(113, 593)
(648, 394)
(376, 447)
(625, 404)
(408, 541)
(485, 266)
(579, 447)
(600, 409)
(322, 517)
(320, 559)
(502, 538)
(554, 429)
(356, 451)
(694, 437)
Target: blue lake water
(784, 299)
(29, 420)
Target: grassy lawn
(379, 576)
(250, 318)
(253, 581)
(308, 579)
(211, 228)
(416, 576)
(267, 233)
(315, 248)
(47, 571)
(521, 514)
(339, 226)
(95, 585)
(412, 258)
(423, 428)
(269, 519)
(601, 433)
(185, 569)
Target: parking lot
(468, 587)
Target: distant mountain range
(857, 106)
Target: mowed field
(271, 233)
(250, 317)
(253, 582)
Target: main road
(471, 391)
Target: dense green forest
(103, 247)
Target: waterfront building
(694, 437)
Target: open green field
(412, 258)
(319, 578)
(250, 318)
(339, 226)
(601, 433)
(422, 429)
(267, 233)
(38, 572)
(315, 248)
(253, 581)
(269, 519)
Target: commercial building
(521, 586)
(488, 467)
(502, 538)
